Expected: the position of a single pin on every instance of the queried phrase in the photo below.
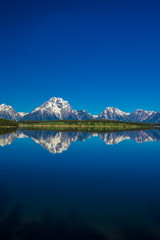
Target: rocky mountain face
(112, 113)
(8, 112)
(154, 118)
(59, 109)
(139, 115)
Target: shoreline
(81, 126)
(74, 128)
(8, 127)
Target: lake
(80, 185)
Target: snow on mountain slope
(112, 113)
(57, 109)
(7, 112)
(154, 118)
(140, 115)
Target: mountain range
(59, 109)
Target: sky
(93, 53)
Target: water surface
(77, 185)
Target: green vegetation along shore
(8, 123)
(98, 125)
(86, 125)
(7, 126)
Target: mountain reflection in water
(102, 188)
(57, 142)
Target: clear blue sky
(92, 53)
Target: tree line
(86, 122)
(8, 123)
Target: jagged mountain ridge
(59, 109)
(7, 112)
(154, 118)
(112, 113)
(140, 115)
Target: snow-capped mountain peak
(57, 109)
(7, 112)
(141, 111)
(4, 106)
(140, 115)
(57, 99)
(154, 118)
(112, 113)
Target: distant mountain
(112, 113)
(140, 115)
(154, 118)
(57, 109)
(95, 116)
(8, 112)
(84, 115)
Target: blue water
(59, 185)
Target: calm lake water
(75, 185)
